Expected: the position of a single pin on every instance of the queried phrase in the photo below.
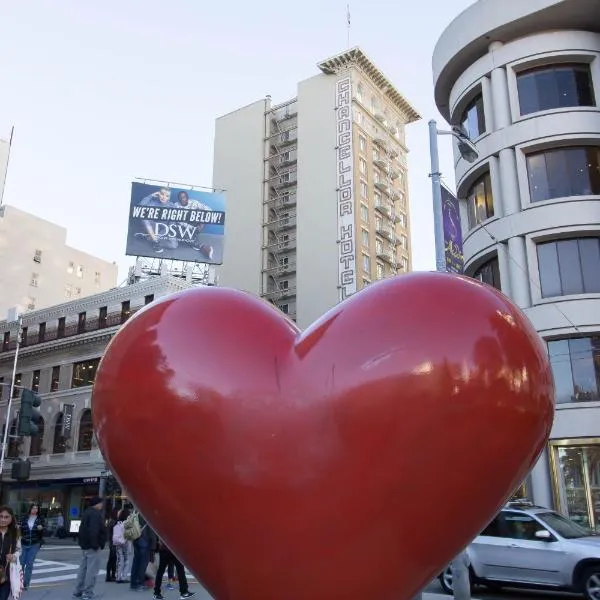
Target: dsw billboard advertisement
(176, 224)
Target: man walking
(92, 538)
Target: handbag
(16, 579)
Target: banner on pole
(453, 243)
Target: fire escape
(279, 229)
(384, 157)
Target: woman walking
(10, 544)
(121, 546)
(32, 538)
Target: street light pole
(10, 396)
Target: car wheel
(446, 580)
(591, 583)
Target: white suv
(532, 547)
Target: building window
(97, 278)
(150, 297)
(37, 256)
(362, 163)
(364, 213)
(16, 388)
(68, 290)
(366, 263)
(125, 310)
(364, 190)
(489, 273)
(376, 176)
(34, 279)
(404, 263)
(402, 219)
(480, 201)
(376, 154)
(30, 303)
(569, 267)
(6, 341)
(60, 332)
(360, 91)
(403, 242)
(103, 317)
(79, 271)
(71, 268)
(576, 369)
(37, 440)
(55, 379)
(564, 172)
(473, 118)
(378, 246)
(380, 271)
(86, 431)
(81, 322)
(377, 197)
(35, 382)
(362, 143)
(365, 237)
(555, 86)
(59, 444)
(365, 282)
(42, 333)
(24, 332)
(77, 292)
(84, 373)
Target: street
(56, 566)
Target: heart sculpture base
(348, 462)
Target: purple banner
(453, 244)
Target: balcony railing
(77, 458)
(58, 333)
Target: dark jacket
(92, 533)
(30, 537)
(148, 539)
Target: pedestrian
(111, 564)
(121, 546)
(32, 538)
(143, 552)
(92, 539)
(9, 546)
(168, 559)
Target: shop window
(576, 368)
(35, 382)
(489, 272)
(59, 443)
(60, 332)
(84, 372)
(86, 431)
(55, 380)
(555, 86)
(480, 201)
(569, 267)
(473, 118)
(14, 443)
(37, 440)
(564, 172)
(125, 310)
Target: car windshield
(563, 526)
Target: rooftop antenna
(348, 25)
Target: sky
(101, 92)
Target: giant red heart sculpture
(349, 462)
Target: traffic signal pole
(10, 397)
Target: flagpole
(348, 25)
(3, 183)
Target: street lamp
(469, 152)
(460, 570)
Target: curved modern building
(523, 80)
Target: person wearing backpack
(121, 546)
(144, 546)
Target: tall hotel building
(317, 189)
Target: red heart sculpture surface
(348, 462)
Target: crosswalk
(47, 572)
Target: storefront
(66, 497)
(575, 473)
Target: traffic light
(29, 414)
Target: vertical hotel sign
(345, 189)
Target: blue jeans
(28, 554)
(141, 556)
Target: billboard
(453, 245)
(176, 224)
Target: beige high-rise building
(38, 269)
(317, 194)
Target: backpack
(131, 527)
(118, 538)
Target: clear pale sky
(103, 91)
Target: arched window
(37, 440)
(13, 441)
(58, 445)
(86, 431)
